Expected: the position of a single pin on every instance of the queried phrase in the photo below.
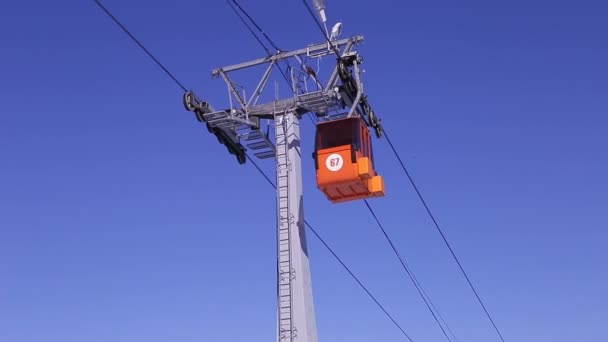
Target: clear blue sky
(122, 219)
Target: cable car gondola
(344, 161)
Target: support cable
(232, 4)
(266, 177)
(410, 274)
(442, 234)
(257, 26)
(141, 45)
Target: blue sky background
(122, 219)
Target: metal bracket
(352, 89)
(294, 334)
(225, 136)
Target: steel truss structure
(239, 128)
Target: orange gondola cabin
(344, 161)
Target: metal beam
(233, 90)
(258, 90)
(284, 55)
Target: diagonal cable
(141, 45)
(232, 4)
(409, 272)
(445, 240)
(257, 26)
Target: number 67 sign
(334, 162)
